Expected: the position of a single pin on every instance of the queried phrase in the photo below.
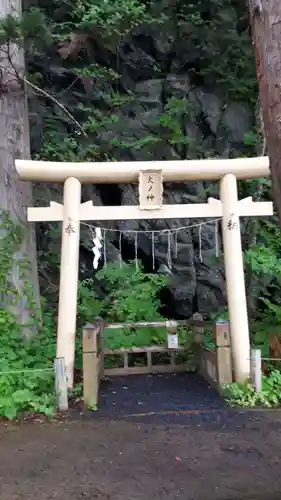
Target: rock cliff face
(171, 106)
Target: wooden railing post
(198, 330)
(256, 369)
(221, 335)
(90, 364)
(61, 384)
(101, 346)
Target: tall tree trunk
(15, 195)
(265, 18)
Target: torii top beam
(128, 172)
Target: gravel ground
(153, 438)
(122, 396)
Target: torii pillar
(235, 280)
(69, 276)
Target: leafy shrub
(245, 395)
(114, 16)
(130, 295)
(26, 370)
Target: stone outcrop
(156, 64)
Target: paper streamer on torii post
(97, 240)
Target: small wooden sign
(150, 189)
(173, 341)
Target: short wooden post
(198, 338)
(149, 360)
(101, 346)
(126, 360)
(256, 369)
(221, 335)
(172, 327)
(90, 364)
(198, 331)
(61, 384)
(173, 358)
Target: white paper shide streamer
(97, 240)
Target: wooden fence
(149, 367)
(214, 365)
(93, 362)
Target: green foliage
(226, 59)
(131, 295)
(172, 122)
(226, 56)
(93, 147)
(224, 52)
(131, 291)
(11, 237)
(26, 365)
(267, 324)
(26, 370)
(263, 256)
(245, 395)
(10, 29)
(251, 139)
(22, 387)
(31, 26)
(95, 70)
(88, 305)
(111, 19)
(110, 15)
(263, 260)
(274, 309)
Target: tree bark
(15, 195)
(265, 16)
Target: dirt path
(124, 460)
(158, 438)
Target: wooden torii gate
(150, 176)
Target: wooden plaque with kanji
(150, 189)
